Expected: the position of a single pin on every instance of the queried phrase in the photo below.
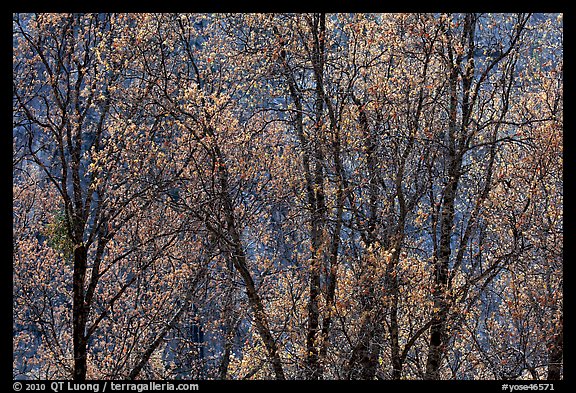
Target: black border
(245, 6)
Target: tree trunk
(555, 353)
(240, 264)
(437, 340)
(228, 336)
(79, 314)
(256, 303)
(394, 325)
(318, 216)
(364, 360)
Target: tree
(78, 121)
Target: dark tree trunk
(240, 264)
(394, 325)
(555, 353)
(438, 337)
(437, 344)
(318, 216)
(256, 303)
(363, 362)
(228, 336)
(79, 314)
